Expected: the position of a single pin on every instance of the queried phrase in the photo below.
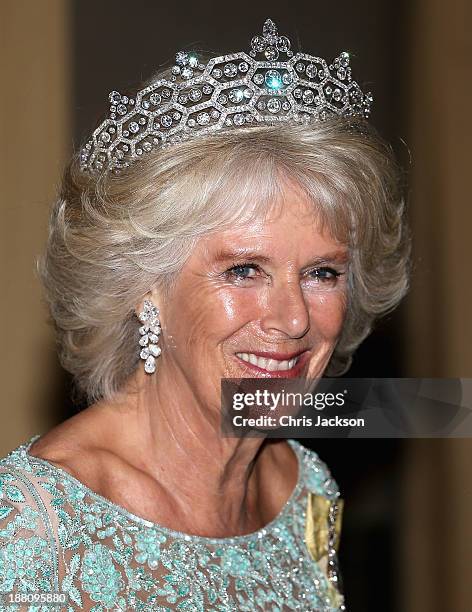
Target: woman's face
(266, 300)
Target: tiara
(266, 85)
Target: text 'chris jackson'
(291, 421)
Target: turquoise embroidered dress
(57, 536)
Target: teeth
(252, 359)
(272, 365)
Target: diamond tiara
(266, 85)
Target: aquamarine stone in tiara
(266, 85)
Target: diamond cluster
(149, 332)
(268, 84)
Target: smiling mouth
(269, 364)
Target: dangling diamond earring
(150, 332)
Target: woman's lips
(294, 372)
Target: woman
(219, 225)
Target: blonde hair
(114, 236)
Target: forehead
(291, 228)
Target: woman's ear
(152, 296)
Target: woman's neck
(199, 481)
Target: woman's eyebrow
(247, 254)
(337, 256)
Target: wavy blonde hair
(114, 236)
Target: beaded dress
(57, 536)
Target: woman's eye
(324, 275)
(242, 271)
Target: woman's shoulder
(25, 486)
(26, 478)
(16, 466)
(31, 488)
(19, 461)
(315, 474)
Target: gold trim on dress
(322, 535)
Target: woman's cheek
(227, 303)
(236, 305)
(327, 313)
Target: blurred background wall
(407, 539)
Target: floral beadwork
(57, 535)
(99, 577)
(21, 562)
(148, 544)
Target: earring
(149, 332)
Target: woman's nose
(286, 310)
